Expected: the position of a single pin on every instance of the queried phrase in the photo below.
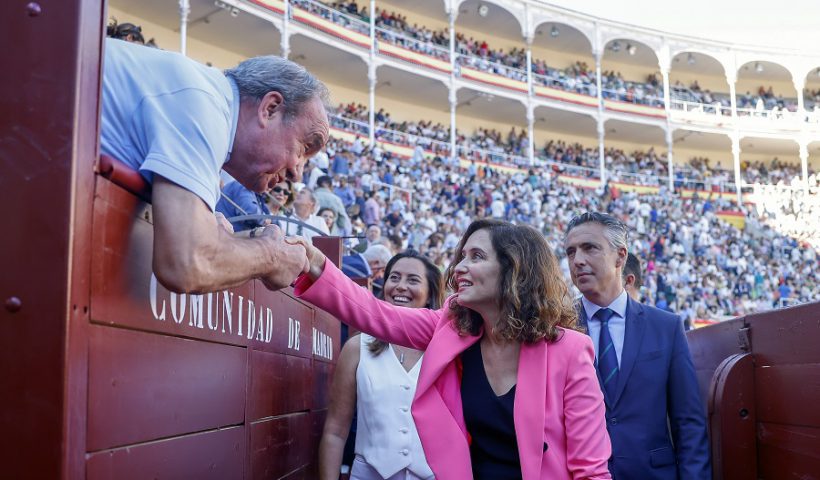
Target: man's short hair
(633, 267)
(615, 230)
(378, 253)
(324, 181)
(258, 76)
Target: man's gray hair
(256, 77)
(615, 230)
(378, 252)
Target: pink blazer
(558, 410)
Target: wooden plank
(280, 445)
(326, 343)
(788, 452)
(320, 386)
(786, 335)
(47, 183)
(709, 346)
(789, 394)
(280, 384)
(145, 386)
(216, 454)
(291, 322)
(125, 292)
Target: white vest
(386, 435)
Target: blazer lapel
(444, 347)
(529, 408)
(633, 337)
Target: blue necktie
(607, 359)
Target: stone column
(184, 11)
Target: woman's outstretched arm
(329, 289)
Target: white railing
(485, 65)
(566, 83)
(649, 100)
(773, 114)
(393, 191)
(569, 168)
(471, 152)
(349, 124)
(715, 109)
(415, 44)
(411, 140)
(338, 17)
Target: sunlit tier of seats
(539, 71)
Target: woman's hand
(316, 259)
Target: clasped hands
(291, 256)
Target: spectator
(303, 209)
(270, 127)
(327, 199)
(501, 272)
(652, 408)
(368, 377)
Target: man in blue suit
(655, 416)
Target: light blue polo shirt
(165, 114)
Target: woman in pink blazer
(507, 388)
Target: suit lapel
(529, 409)
(443, 348)
(633, 337)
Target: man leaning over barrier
(179, 122)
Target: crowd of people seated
(616, 87)
(712, 102)
(765, 99)
(474, 53)
(641, 167)
(695, 263)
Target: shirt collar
(234, 114)
(618, 305)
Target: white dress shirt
(617, 324)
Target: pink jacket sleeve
(336, 294)
(588, 444)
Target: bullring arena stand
(448, 111)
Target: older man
(182, 123)
(304, 209)
(655, 416)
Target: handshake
(288, 257)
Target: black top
(489, 419)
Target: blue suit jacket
(656, 382)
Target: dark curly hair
(533, 297)
(125, 31)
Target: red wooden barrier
(103, 372)
(761, 376)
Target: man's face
(270, 148)
(595, 267)
(373, 233)
(304, 204)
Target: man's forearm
(222, 262)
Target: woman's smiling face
(478, 273)
(406, 285)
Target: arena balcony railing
(431, 145)
(633, 97)
(558, 80)
(393, 37)
(775, 113)
(346, 20)
(481, 69)
(351, 125)
(712, 109)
